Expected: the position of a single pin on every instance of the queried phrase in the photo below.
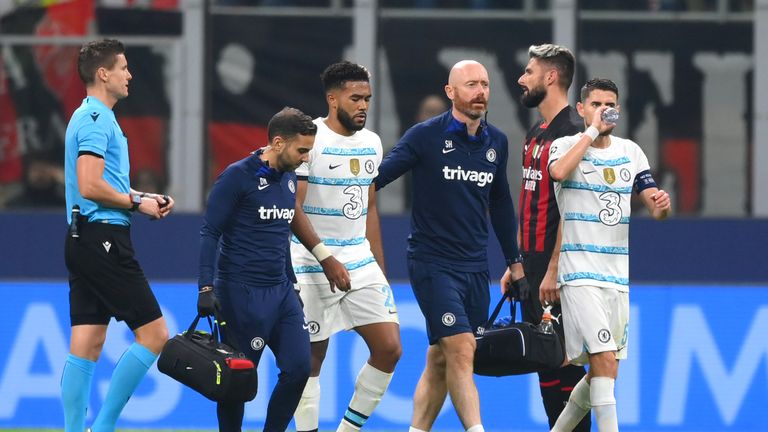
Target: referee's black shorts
(104, 278)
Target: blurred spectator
(31, 100)
(431, 106)
(147, 181)
(43, 182)
(11, 166)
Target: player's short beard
(348, 122)
(466, 109)
(533, 97)
(283, 163)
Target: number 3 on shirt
(611, 214)
(354, 208)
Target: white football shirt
(339, 173)
(594, 204)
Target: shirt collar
(90, 100)
(460, 128)
(264, 169)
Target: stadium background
(208, 75)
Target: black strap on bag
(192, 327)
(512, 309)
(202, 361)
(218, 327)
(518, 348)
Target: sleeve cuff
(515, 260)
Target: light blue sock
(75, 391)
(129, 372)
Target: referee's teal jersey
(93, 130)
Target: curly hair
(335, 75)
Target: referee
(105, 280)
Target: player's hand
(597, 120)
(661, 200)
(661, 205)
(150, 207)
(207, 303)
(166, 204)
(548, 292)
(337, 274)
(512, 275)
(520, 289)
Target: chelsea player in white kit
(596, 174)
(336, 193)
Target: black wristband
(135, 201)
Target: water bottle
(74, 232)
(545, 326)
(611, 115)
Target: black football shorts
(105, 280)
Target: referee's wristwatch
(135, 202)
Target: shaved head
(464, 68)
(469, 89)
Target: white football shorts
(595, 320)
(369, 301)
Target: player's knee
(87, 341)
(154, 343)
(161, 334)
(318, 352)
(153, 335)
(91, 349)
(294, 366)
(315, 367)
(461, 359)
(462, 345)
(460, 356)
(388, 353)
(436, 359)
(603, 364)
(318, 357)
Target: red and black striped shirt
(539, 215)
